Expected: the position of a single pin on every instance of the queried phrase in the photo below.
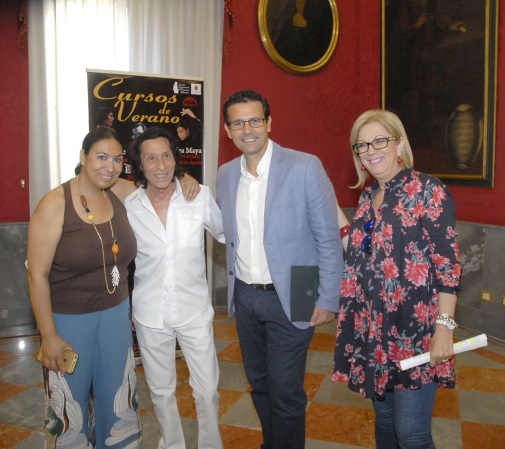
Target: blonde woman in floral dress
(400, 285)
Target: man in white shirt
(170, 295)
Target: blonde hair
(393, 125)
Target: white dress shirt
(251, 262)
(170, 273)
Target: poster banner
(132, 102)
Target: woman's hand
(189, 112)
(52, 353)
(441, 346)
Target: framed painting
(299, 35)
(439, 61)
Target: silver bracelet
(446, 320)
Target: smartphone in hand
(69, 359)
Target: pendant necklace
(115, 248)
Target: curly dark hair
(136, 152)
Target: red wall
(315, 113)
(312, 113)
(13, 119)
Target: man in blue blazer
(279, 211)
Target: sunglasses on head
(366, 243)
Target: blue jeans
(275, 354)
(403, 418)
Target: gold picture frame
(300, 36)
(439, 62)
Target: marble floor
(469, 417)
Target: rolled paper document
(478, 341)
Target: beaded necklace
(115, 248)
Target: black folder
(304, 285)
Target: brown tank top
(77, 279)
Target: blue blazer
(301, 225)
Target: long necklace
(115, 247)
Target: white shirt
(170, 273)
(251, 263)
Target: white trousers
(157, 348)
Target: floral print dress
(389, 298)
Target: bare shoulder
(53, 201)
(50, 211)
(44, 232)
(122, 188)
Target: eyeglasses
(253, 123)
(366, 243)
(378, 144)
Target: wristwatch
(447, 320)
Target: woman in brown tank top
(79, 247)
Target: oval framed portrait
(299, 35)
